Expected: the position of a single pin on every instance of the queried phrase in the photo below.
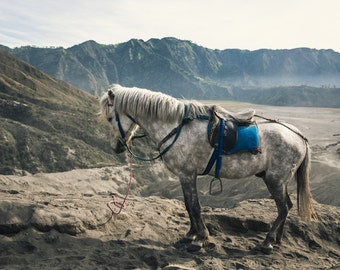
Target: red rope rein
(117, 204)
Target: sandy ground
(61, 221)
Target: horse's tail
(304, 196)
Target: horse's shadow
(231, 239)
(224, 248)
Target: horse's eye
(109, 119)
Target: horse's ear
(111, 95)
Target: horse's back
(281, 132)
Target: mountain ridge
(183, 69)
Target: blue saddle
(233, 136)
(229, 136)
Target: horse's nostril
(109, 119)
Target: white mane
(145, 103)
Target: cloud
(221, 24)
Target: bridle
(124, 139)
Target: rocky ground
(61, 220)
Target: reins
(121, 205)
(175, 132)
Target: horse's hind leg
(279, 233)
(283, 204)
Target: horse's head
(122, 124)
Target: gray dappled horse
(285, 152)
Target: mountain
(46, 124)
(300, 96)
(184, 69)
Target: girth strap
(217, 154)
(219, 150)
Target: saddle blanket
(247, 139)
(234, 138)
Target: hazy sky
(215, 24)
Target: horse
(180, 131)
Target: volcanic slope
(47, 125)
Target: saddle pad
(247, 140)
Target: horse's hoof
(195, 246)
(267, 249)
(188, 239)
(278, 242)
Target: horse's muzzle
(120, 147)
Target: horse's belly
(241, 165)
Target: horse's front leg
(198, 232)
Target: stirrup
(216, 192)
